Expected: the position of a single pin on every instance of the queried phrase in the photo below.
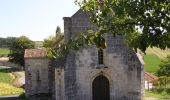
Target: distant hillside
(153, 59)
(158, 52)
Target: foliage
(151, 63)
(4, 52)
(38, 43)
(161, 89)
(5, 76)
(144, 23)
(6, 89)
(58, 31)
(164, 69)
(163, 82)
(79, 41)
(156, 94)
(49, 42)
(7, 42)
(18, 49)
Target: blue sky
(36, 19)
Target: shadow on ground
(9, 70)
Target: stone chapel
(114, 73)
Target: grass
(158, 52)
(151, 63)
(153, 58)
(5, 77)
(5, 84)
(4, 52)
(162, 95)
(7, 89)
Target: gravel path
(21, 80)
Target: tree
(7, 42)
(164, 67)
(49, 42)
(18, 48)
(58, 30)
(10, 41)
(144, 22)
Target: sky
(36, 19)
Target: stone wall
(125, 82)
(122, 66)
(37, 76)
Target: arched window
(100, 56)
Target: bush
(23, 97)
(18, 49)
(164, 69)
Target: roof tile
(35, 53)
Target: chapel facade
(114, 73)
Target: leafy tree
(164, 69)
(18, 48)
(144, 22)
(10, 41)
(49, 42)
(7, 42)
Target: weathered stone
(72, 78)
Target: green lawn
(6, 87)
(5, 77)
(161, 95)
(151, 63)
(4, 52)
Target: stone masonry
(122, 67)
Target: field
(151, 63)
(6, 87)
(153, 58)
(162, 95)
(4, 52)
(158, 52)
(5, 77)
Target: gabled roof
(80, 13)
(35, 53)
(150, 77)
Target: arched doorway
(100, 88)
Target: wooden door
(100, 88)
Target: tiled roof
(150, 77)
(35, 53)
